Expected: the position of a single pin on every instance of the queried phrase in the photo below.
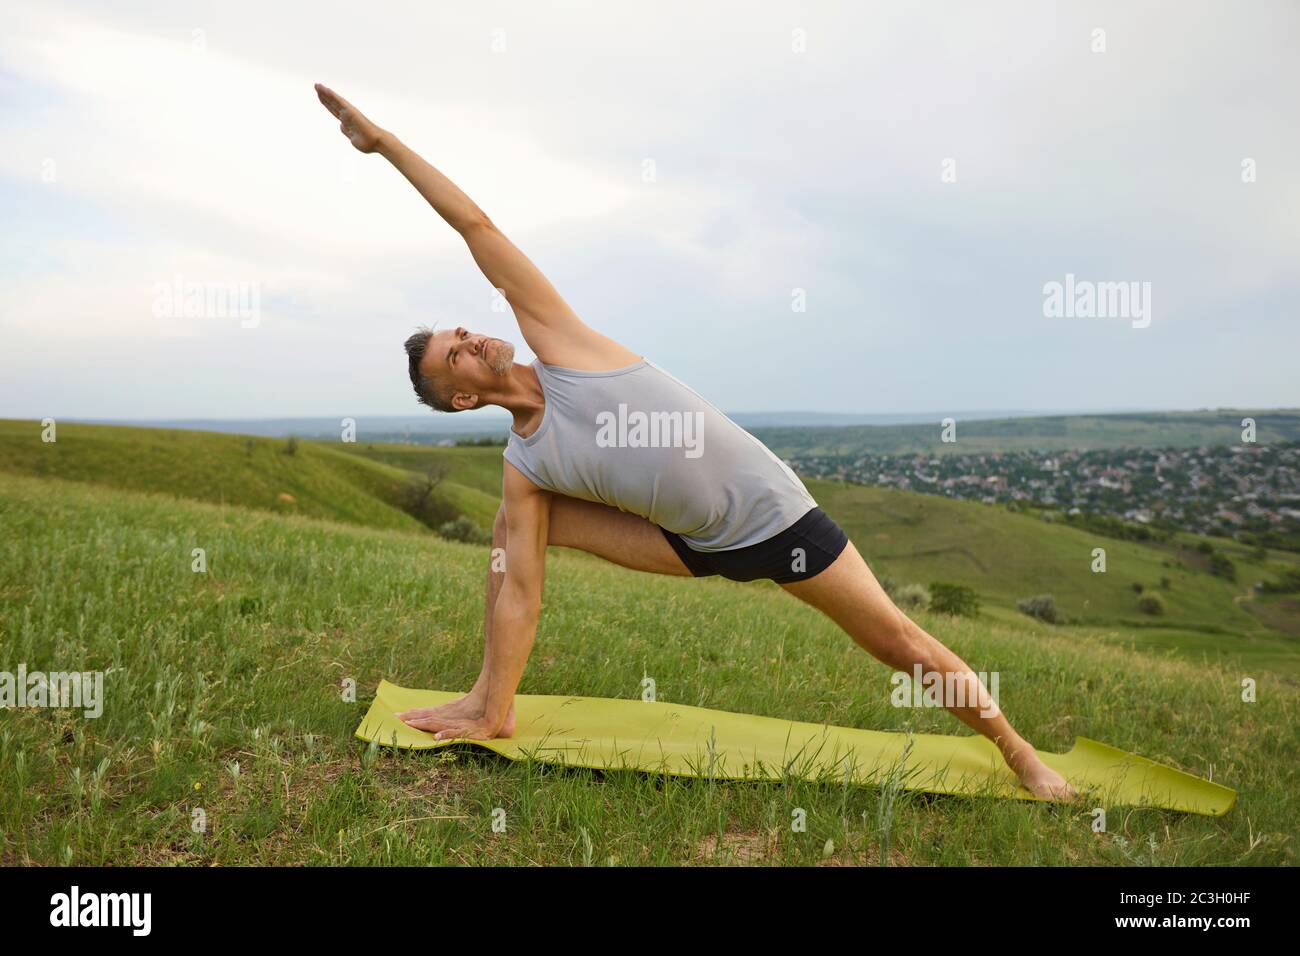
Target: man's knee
(919, 645)
(901, 643)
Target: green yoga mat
(687, 741)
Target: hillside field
(223, 687)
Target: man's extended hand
(361, 133)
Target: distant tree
(1288, 582)
(418, 497)
(462, 529)
(1043, 607)
(912, 597)
(488, 441)
(1166, 584)
(291, 445)
(1151, 603)
(956, 599)
(1138, 587)
(1221, 566)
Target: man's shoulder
(515, 482)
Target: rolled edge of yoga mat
(680, 740)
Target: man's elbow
(476, 221)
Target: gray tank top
(639, 440)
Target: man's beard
(504, 358)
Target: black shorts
(802, 550)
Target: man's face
(467, 363)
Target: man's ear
(464, 401)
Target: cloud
(183, 139)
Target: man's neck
(522, 396)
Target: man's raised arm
(551, 328)
(528, 291)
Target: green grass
(222, 694)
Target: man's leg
(624, 539)
(848, 593)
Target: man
(611, 455)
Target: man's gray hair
(426, 389)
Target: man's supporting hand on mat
(473, 705)
(514, 600)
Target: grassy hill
(472, 467)
(1007, 557)
(909, 537)
(223, 696)
(317, 480)
(1048, 433)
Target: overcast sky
(920, 171)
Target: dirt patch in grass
(1282, 614)
(758, 848)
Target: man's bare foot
(469, 707)
(1036, 777)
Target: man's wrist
(387, 144)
